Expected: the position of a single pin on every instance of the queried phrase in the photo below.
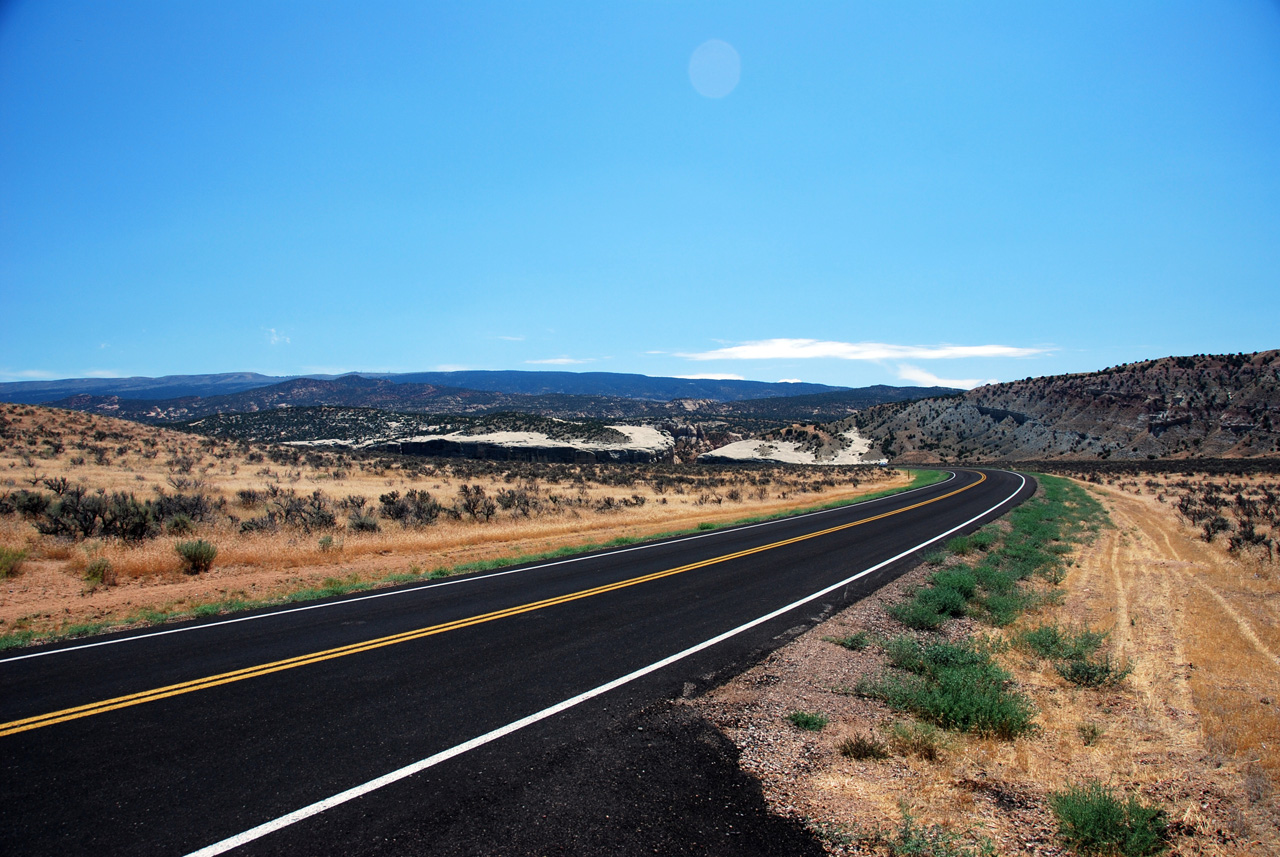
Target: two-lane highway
(331, 726)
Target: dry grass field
(1193, 730)
(285, 519)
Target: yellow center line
(28, 723)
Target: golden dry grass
(570, 505)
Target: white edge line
(417, 767)
(405, 590)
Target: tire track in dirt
(1152, 638)
(1150, 527)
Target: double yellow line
(28, 723)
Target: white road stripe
(409, 770)
(435, 584)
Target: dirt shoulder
(1161, 596)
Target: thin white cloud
(327, 370)
(510, 338)
(928, 379)
(808, 349)
(790, 381)
(560, 361)
(275, 337)
(711, 376)
(451, 367)
(103, 373)
(26, 375)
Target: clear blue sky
(891, 192)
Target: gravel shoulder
(1152, 737)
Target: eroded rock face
(1175, 407)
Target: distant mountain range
(355, 391)
(1203, 406)
(612, 384)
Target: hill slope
(1174, 407)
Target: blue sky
(869, 192)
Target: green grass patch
(955, 686)
(1054, 642)
(16, 639)
(10, 561)
(1042, 530)
(810, 721)
(1093, 819)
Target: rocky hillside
(1175, 407)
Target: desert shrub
(10, 561)
(30, 504)
(475, 503)
(123, 516)
(197, 556)
(99, 571)
(198, 507)
(863, 747)
(248, 497)
(362, 523)
(518, 501)
(264, 524)
(180, 525)
(810, 721)
(415, 509)
(1092, 819)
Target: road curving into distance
(373, 723)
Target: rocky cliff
(1223, 406)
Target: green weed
(197, 556)
(10, 561)
(953, 686)
(810, 721)
(855, 642)
(1093, 672)
(1092, 819)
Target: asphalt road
(518, 712)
